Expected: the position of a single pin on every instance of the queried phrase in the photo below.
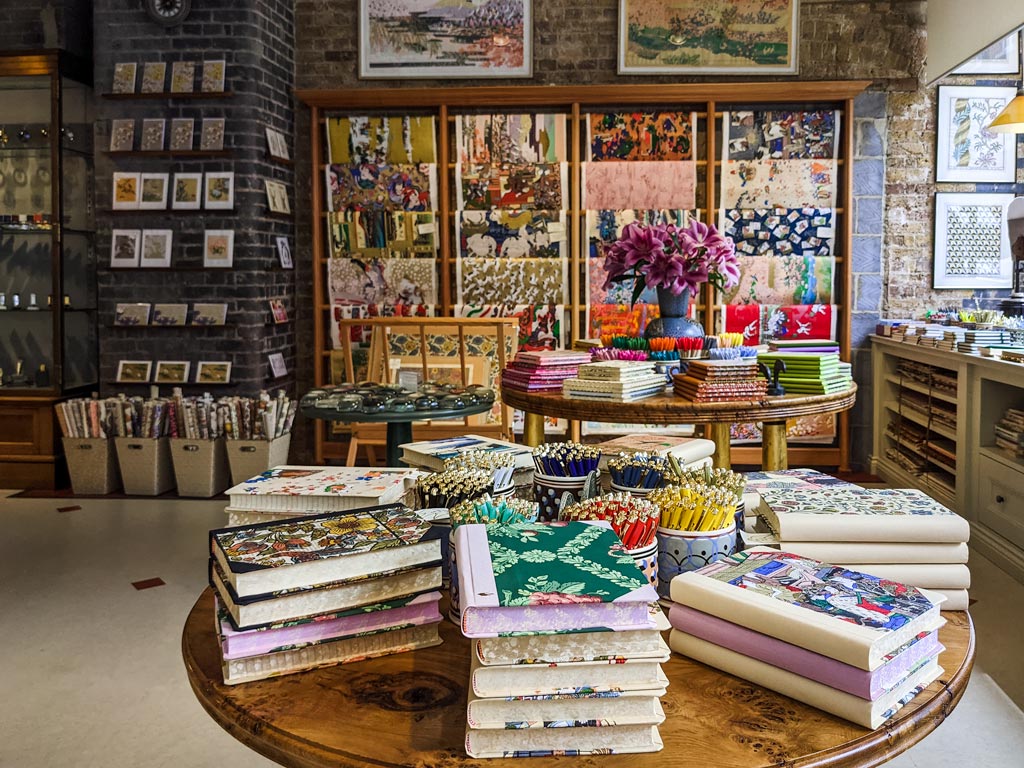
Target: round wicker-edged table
(410, 710)
(772, 412)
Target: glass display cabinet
(48, 297)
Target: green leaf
(638, 288)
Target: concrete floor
(91, 673)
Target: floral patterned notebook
(548, 577)
(323, 489)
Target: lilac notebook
(800, 661)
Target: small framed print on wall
(218, 248)
(124, 248)
(972, 244)
(1000, 58)
(213, 373)
(125, 196)
(134, 371)
(284, 252)
(966, 150)
(220, 190)
(156, 248)
(277, 197)
(188, 189)
(277, 365)
(154, 191)
(172, 371)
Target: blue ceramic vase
(673, 322)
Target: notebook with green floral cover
(548, 577)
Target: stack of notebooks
(690, 452)
(975, 340)
(542, 371)
(617, 381)
(566, 657)
(311, 592)
(898, 534)
(432, 454)
(1010, 432)
(719, 381)
(820, 346)
(285, 492)
(853, 645)
(810, 373)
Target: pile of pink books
(853, 645)
(310, 592)
(895, 533)
(566, 657)
(542, 371)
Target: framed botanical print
(122, 135)
(218, 248)
(156, 248)
(1000, 58)
(220, 190)
(126, 192)
(437, 38)
(153, 135)
(188, 189)
(154, 191)
(972, 244)
(724, 37)
(966, 150)
(124, 248)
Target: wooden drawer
(1001, 499)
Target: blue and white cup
(681, 551)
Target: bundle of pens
(448, 488)
(499, 465)
(490, 511)
(634, 520)
(566, 459)
(663, 348)
(611, 353)
(694, 508)
(718, 477)
(638, 470)
(730, 340)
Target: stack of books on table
(718, 381)
(284, 492)
(975, 340)
(566, 657)
(813, 346)
(851, 644)
(690, 452)
(1010, 433)
(809, 373)
(315, 591)
(432, 454)
(542, 371)
(894, 533)
(617, 381)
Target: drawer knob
(1000, 499)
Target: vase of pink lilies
(675, 261)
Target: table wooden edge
(873, 748)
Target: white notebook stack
(616, 381)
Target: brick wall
(256, 37)
(63, 24)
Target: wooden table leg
(722, 457)
(773, 446)
(533, 429)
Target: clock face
(168, 12)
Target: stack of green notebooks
(809, 373)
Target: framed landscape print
(438, 38)
(1000, 58)
(172, 371)
(213, 373)
(966, 150)
(187, 191)
(124, 248)
(131, 314)
(156, 248)
(169, 314)
(972, 244)
(727, 37)
(209, 314)
(134, 371)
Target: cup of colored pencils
(718, 477)
(690, 348)
(634, 520)
(637, 473)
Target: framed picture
(152, 135)
(213, 76)
(183, 80)
(153, 75)
(1000, 58)
(692, 37)
(187, 190)
(966, 150)
(284, 252)
(209, 314)
(124, 248)
(131, 314)
(277, 197)
(218, 248)
(278, 311)
(169, 314)
(277, 146)
(126, 192)
(182, 134)
(122, 135)
(134, 371)
(972, 244)
(435, 38)
(213, 373)
(220, 190)
(172, 371)
(154, 191)
(156, 248)
(212, 137)
(124, 77)
(277, 365)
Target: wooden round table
(772, 412)
(410, 710)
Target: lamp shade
(1011, 119)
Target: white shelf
(917, 386)
(919, 418)
(939, 491)
(998, 454)
(941, 464)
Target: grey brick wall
(63, 24)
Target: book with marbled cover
(321, 489)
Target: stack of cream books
(618, 381)
(310, 592)
(894, 533)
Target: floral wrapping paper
(382, 140)
(542, 187)
(778, 183)
(541, 326)
(510, 234)
(641, 136)
(381, 234)
(516, 281)
(640, 184)
(384, 187)
(781, 134)
(830, 500)
(382, 281)
(345, 309)
(511, 138)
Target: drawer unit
(1001, 499)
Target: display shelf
(919, 418)
(169, 96)
(151, 326)
(116, 383)
(172, 211)
(997, 454)
(179, 153)
(921, 388)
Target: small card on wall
(172, 371)
(220, 190)
(122, 135)
(156, 248)
(212, 137)
(125, 194)
(183, 76)
(277, 309)
(209, 314)
(131, 314)
(169, 314)
(124, 248)
(284, 252)
(182, 134)
(277, 146)
(213, 76)
(188, 189)
(154, 191)
(153, 75)
(277, 197)
(124, 77)
(213, 373)
(277, 365)
(218, 248)
(134, 371)
(152, 135)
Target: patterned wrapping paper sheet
(616, 293)
(780, 231)
(515, 281)
(541, 326)
(542, 186)
(360, 334)
(781, 135)
(382, 281)
(384, 187)
(782, 280)
(640, 184)
(511, 138)
(510, 234)
(853, 501)
(381, 140)
(778, 183)
(641, 136)
(604, 227)
(759, 323)
(619, 319)
(379, 233)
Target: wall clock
(168, 12)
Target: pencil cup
(681, 551)
(548, 490)
(637, 493)
(454, 609)
(647, 560)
